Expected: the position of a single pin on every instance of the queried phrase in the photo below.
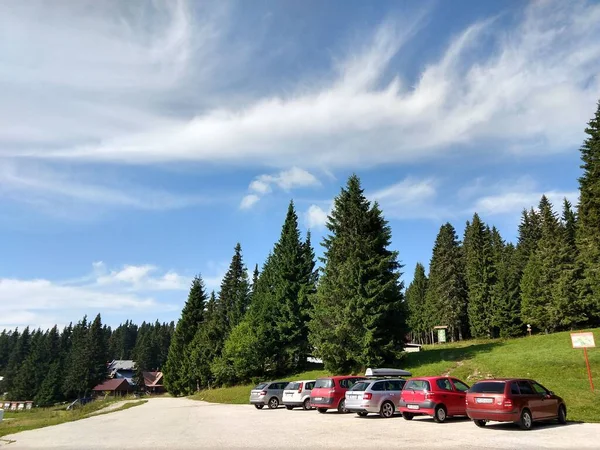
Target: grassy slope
(44, 417)
(548, 359)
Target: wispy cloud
(46, 188)
(123, 291)
(470, 95)
(510, 197)
(286, 180)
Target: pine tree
(415, 300)
(359, 314)
(255, 275)
(207, 345)
(293, 283)
(568, 309)
(18, 355)
(178, 373)
(588, 225)
(446, 301)
(97, 352)
(76, 380)
(235, 292)
(506, 295)
(480, 277)
(541, 273)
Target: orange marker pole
(587, 363)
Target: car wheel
(288, 407)
(480, 423)
(408, 416)
(259, 406)
(362, 414)
(342, 407)
(306, 404)
(526, 421)
(273, 403)
(322, 410)
(562, 414)
(387, 410)
(440, 414)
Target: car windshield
(360, 386)
(417, 385)
(488, 387)
(292, 386)
(324, 383)
(260, 386)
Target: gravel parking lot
(181, 423)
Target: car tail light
(428, 395)
(263, 393)
(300, 388)
(367, 396)
(508, 403)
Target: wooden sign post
(584, 340)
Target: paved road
(181, 423)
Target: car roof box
(387, 373)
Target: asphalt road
(180, 423)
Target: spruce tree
(97, 352)
(76, 379)
(235, 292)
(359, 316)
(569, 310)
(506, 295)
(18, 355)
(207, 345)
(178, 374)
(588, 225)
(542, 271)
(446, 301)
(480, 277)
(415, 299)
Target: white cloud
(407, 191)
(315, 217)
(45, 188)
(249, 201)
(129, 290)
(286, 180)
(512, 196)
(489, 86)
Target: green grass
(548, 359)
(15, 422)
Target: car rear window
(417, 385)
(360, 386)
(324, 383)
(292, 386)
(260, 386)
(488, 387)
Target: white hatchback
(297, 393)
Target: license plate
(317, 399)
(412, 406)
(484, 400)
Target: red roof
(116, 384)
(153, 379)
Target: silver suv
(375, 396)
(268, 394)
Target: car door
(531, 400)
(379, 393)
(549, 403)
(460, 389)
(446, 393)
(279, 387)
(393, 389)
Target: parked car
(329, 392)
(374, 396)
(297, 393)
(268, 394)
(521, 401)
(440, 397)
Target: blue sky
(139, 141)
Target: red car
(440, 397)
(330, 392)
(513, 400)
